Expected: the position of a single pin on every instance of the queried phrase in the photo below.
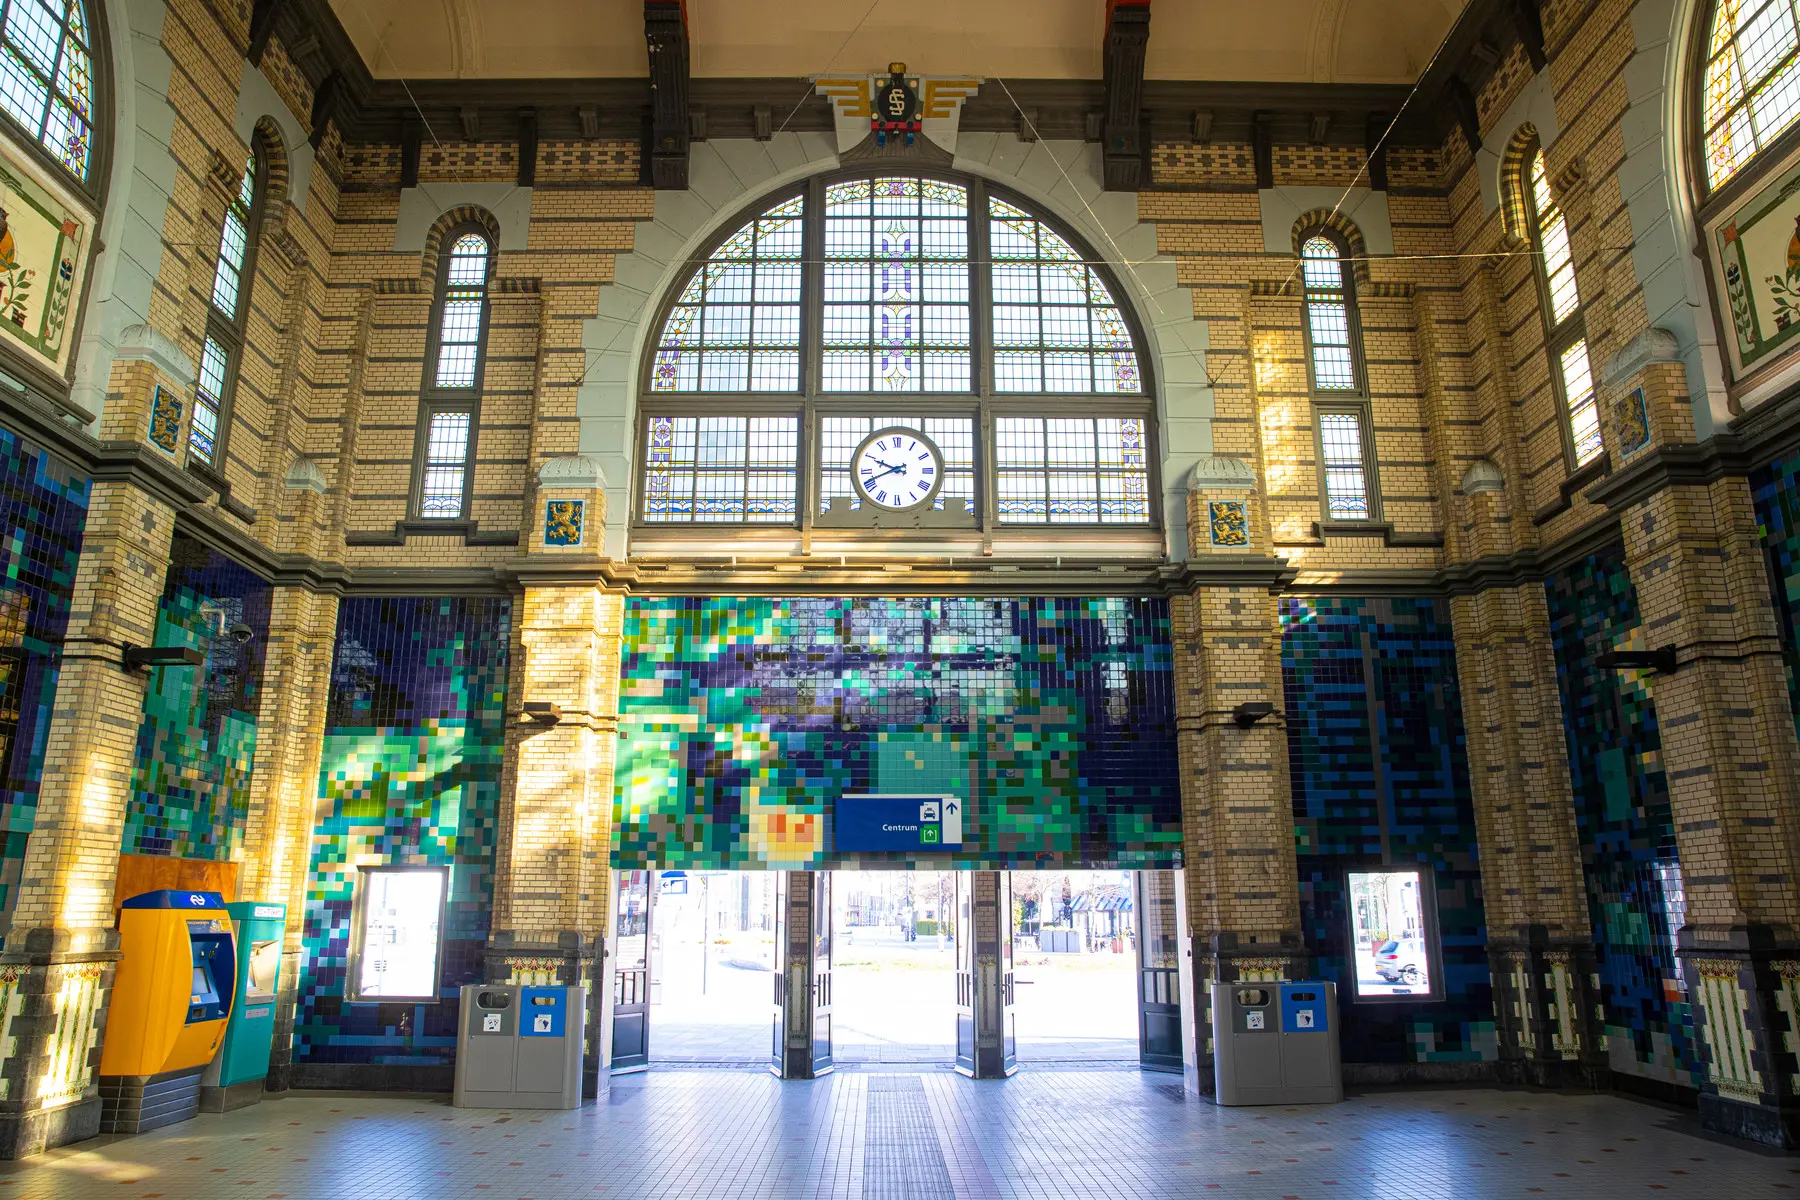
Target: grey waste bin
(1276, 1043)
(519, 1046)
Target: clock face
(897, 469)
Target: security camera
(242, 633)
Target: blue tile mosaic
(410, 775)
(1622, 816)
(190, 788)
(743, 720)
(1380, 776)
(43, 508)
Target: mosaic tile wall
(1775, 490)
(43, 507)
(1622, 814)
(744, 719)
(190, 789)
(414, 738)
(1380, 776)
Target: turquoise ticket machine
(235, 1077)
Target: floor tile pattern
(743, 721)
(1381, 775)
(1623, 819)
(723, 1134)
(190, 788)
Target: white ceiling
(1287, 41)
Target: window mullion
(981, 334)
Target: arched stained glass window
(736, 326)
(222, 350)
(978, 322)
(47, 76)
(1057, 327)
(1339, 376)
(451, 411)
(1559, 300)
(1751, 88)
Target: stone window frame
(1559, 336)
(435, 399)
(1353, 401)
(229, 330)
(811, 403)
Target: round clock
(897, 469)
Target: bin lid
(257, 910)
(176, 899)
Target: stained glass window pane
(446, 465)
(896, 286)
(1057, 327)
(234, 243)
(1071, 470)
(464, 309)
(209, 399)
(46, 76)
(736, 327)
(1327, 315)
(1584, 408)
(1346, 486)
(1553, 243)
(1751, 88)
(730, 469)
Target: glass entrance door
(801, 1047)
(1159, 971)
(821, 972)
(964, 942)
(634, 896)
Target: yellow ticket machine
(171, 999)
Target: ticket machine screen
(214, 970)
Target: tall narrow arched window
(451, 410)
(865, 301)
(1338, 379)
(222, 351)
(1751, 86)
(1559, 300)
(47, 76)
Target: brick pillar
(1733, 766)
(57, 968)
(284, 784)
(1243, 899)
(1540, 943)
(552, 874)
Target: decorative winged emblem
(897, 104)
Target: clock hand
(889, 471)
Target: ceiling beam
(1125, 141)
(665, 29)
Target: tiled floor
(925, 1134)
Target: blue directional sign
(898, 823)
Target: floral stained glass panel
(736, 326)
(896, 286)
(47, 76)
(725, 468)
(1057, 327)
(1750, 92)
(1072, 470)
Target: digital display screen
(1391, 944)
(401, 936)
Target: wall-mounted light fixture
(1662, 660)
(544, 712)
(1252, 711)
(142, 658)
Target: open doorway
(712, 954)
(893, 966)
(1075, 966)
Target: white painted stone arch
(727, 175)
